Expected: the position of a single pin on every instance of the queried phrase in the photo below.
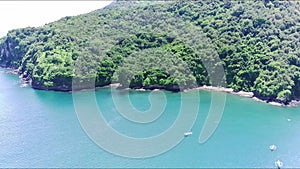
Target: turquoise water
(41, 129)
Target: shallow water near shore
(41, 129)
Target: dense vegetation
(169, 45)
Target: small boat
(187, 133)
(278, 163)
(272, 147)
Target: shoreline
(293, 103)
(10, 70)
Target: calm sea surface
(41, 129)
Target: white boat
(278, 163)
(187, 133)
(272, 147)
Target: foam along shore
(223, 89)
(10, 70)
(246, 94)
(227, 90)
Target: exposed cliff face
(22, 49)
(10, 56)
(13, 49)
(65, 87)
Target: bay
(41, 129)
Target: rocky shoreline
(293, 103)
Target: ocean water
(41, 129)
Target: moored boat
(187, 133)
(279, 164)
(272, 147)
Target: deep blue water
(41, 129)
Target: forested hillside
(171, 45)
